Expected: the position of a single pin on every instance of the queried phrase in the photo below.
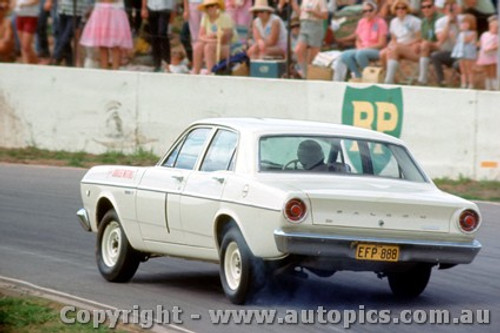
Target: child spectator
(488, 44)
(26, 23)
(269, 32)
(109, 30)
(311, 14)
(178, 63)
(465, 50)
(6, 34)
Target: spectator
(371, 36)
(193, 16)
(465, 50)
(109, 30)
(446, 32)
(239, 10)
(269, 32)
(405, 39)
(68, 25)
(158, 14)
(481, 9)
(216, 35)
(26, 23)
(6, 34)
(429, 39)
(488, 44)
(133, 9)
(311, 14)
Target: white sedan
(265, 195)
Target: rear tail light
(468, 220)
(295, 210)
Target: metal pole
(289, 38)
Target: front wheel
(116, 259)
(240, 272)
(410, 284)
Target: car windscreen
(336, 155)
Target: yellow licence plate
(378, 252)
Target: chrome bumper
(83, 218)
(342, 247)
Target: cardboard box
(372, 74)
(240, 70)
(319, 73)
(274, 69)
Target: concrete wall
(452, 132)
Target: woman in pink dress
(109, 30)
(488, 45)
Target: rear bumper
(342, 247)
(83, 218)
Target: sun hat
(261, 5)
(206, 3)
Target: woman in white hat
(269, 32)
(213, 22)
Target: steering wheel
(295, 162)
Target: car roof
(262, 126)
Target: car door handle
(219, 179)
(178, 178)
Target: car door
(200, 200)
(158, 193)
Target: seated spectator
(216, 35)
(488, 44)
(446, 33)
(311, 14)
(269, 32)
(6, 34)
(429, 39)
(405, 39)
(371, 36)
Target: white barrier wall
(452, 132)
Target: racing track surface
(41, 242)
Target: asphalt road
(41, 242)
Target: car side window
(221, 151)
(186, 153)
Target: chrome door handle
(178, 178)
(219, 179)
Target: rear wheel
(240, 272)
(116, 259)
(410, 284)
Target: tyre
(410, 284)
(241, 273)
(116, 259)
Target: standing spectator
(447, 29)
(239, 11)
(217, 32)
(192, 15)
(488, 44)
(109, 30)
(26, 22)
(311, 14)
(429, 38)
(6, 34)
(481, 9)
(66, 30)
(158, 14)
(371, 36)
(405, 39)
(269, 32)
(47, 10)
(465, 50)
(133, 9)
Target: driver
(310, 155)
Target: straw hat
(206, 3)
(261, 5)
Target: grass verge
(19, 314)
(463, 187)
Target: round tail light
(469, 220)
(295, 210)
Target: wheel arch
(104, 205)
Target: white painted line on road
(81, 302)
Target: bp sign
(374, 108)
(377, 109)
